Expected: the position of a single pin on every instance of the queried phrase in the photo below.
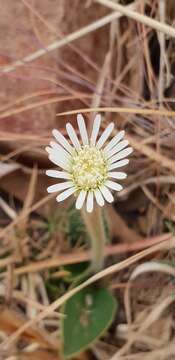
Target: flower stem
(95, 228)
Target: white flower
(87, 165)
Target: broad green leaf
(87, 315)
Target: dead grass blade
(85, 255)
(146, 20)
(11, 213)
(100, 86)
(11, 320)
(152, 154)
(143, 268)
(7, 168)
(122, 110)
(29, 197)
(153, 316)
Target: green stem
(95, 228)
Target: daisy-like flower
(88, 166)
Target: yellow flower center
(88, 168)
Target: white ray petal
(73, 136)
(60, 149)
(65, 194)
(117, 175)
(122, 154)
(106, 193)
(117, 148)
(82, 129)
(90, 202)
(59, 162)
(62, 140)
(95, 129)
(60, 186)
(80, 199)
(48, 149)
(118, 164)
(113, 185)
(115, 140)
(106, 133)
(99, 197)
(60, 154)
(58, 174)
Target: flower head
(87, 165)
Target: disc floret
(88, 168)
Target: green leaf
(55, 288)
(76, 270)
(170, 226)
(87, 315)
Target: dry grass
(57, 60)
